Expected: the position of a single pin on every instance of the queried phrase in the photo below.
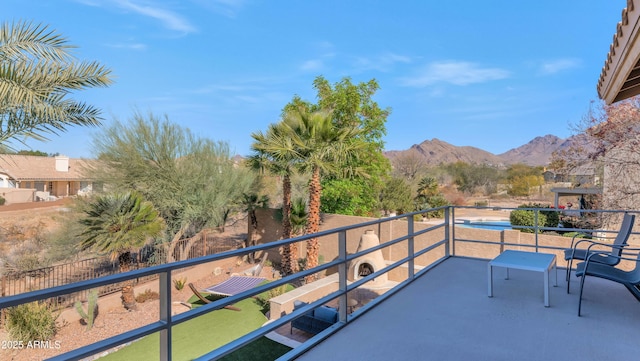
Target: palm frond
(23, 40)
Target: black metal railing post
(165, 315)
(410, 247)
(342, 271)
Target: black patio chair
(610, 258)
(630, 279)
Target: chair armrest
(573, 239)
(610, 245)
(622, 256)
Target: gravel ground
(47, 215)
(113, 322)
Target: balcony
(445, 314)
(427, 300)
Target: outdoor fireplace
(369, 263)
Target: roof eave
(620, 77)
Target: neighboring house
(26, 178)
(585, 175)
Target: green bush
(551, 216)
(30, 322)
(2, 200)
(521, 217)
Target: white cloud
(228, 8)
(558, 65)
(312, 65)
(169, 19)
(134, 46)
(382, 63)
(456, 73)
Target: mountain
(537, 152)
(436, 151)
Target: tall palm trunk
(128, 297)
(290, 251)
(286, 206)
(251, 237)
(313, 221)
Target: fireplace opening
(365, 269)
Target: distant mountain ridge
(537, 152)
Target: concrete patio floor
(447, 315)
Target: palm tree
(299, 216)
(273, 151)
(322, 148)
(37, 72)
(251, 202)
(117, 224)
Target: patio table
(528, 261)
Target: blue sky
(491, 74)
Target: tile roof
(620, 76)
(28, 167)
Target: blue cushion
(326, 313)
(298, 303)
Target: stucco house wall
(54, 177)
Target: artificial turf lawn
(203, 334)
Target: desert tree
(608, 138)
(396, 196)
(37, 74)
(193, 182)
(409, 164)
(352, 106)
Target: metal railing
(17, 282)
(443, 247)
(594, 224)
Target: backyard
(191, 339)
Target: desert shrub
(179, 283)
(581, 222)
(23, 257)
(147, 295)
(63, 241)
(2, 201)
(31, 321)
(432, 202)
(263, 299)
(522, 217)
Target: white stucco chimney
(62, 163)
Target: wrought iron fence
(13, 283)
